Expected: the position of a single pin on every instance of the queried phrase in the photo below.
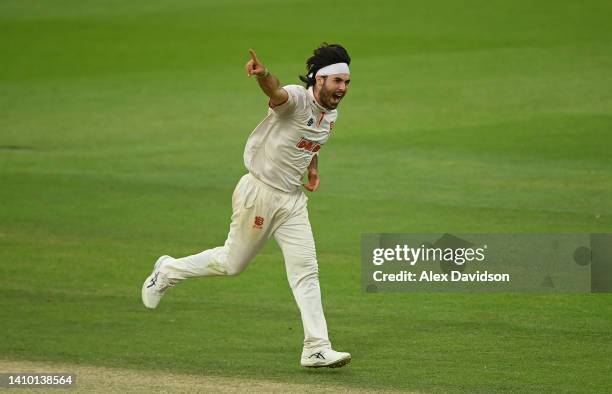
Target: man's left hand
(313, 181)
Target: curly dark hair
(323, 56)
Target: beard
(328, 98)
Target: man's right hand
(254, 66)
(268, 83)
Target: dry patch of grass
(101, 379)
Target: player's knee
(236, 267)
(234, 271)
(305, 278)
(229, 264)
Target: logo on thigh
(259, 221)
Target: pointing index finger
(254, 56)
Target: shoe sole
(338, 364)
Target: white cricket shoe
(155, 285)
(327, 358)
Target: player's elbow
(278, 97)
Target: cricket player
(269, 200)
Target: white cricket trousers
(259, 211)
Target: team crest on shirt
(259, 221)
(308, 145)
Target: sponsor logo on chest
(308, 145)
(314, 124)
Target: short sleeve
(297, 98)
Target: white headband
(336, 68)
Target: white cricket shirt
(281, 147)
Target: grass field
(122, 126)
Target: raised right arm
(268, 83)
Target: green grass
(130, 120)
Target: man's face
(331, 89)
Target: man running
(269, 201)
